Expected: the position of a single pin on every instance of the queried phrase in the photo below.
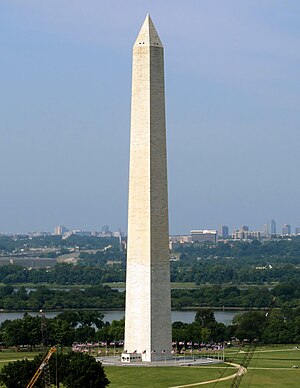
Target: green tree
(74, 370)
(116, 329)
(205, 334)
(89, 318)
(85, 333)
(250, 325)
(18, 374)
(26, 331)
(204, 317)
(83, 371)
(278, 329)
(71, 317)
(60, 332)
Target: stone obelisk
(148, 301)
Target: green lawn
(271, 378)
(173, 285)
(270, 366)
(7, 356)
(158, 377)
(272, 357)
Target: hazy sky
(233, 111)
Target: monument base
(143, 357)
(131, 357)
(158, 357)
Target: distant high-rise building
(244, 228)
(60, 230)
(224, 231)
(105, 229)
(241, 234)
(286, 230)
(245, 234)
(265, 229)
(297, 231)
(272, 227)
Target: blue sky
(233, 113)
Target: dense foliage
(204, 329)
(101, 297)
(64, 329)
(49, 299)
(238, 262)
(225, 263)
(74, 370)
(232, 296)
(279, 326)
(18, 374)
(62, 274)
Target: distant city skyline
(232, 76)
(271, 227)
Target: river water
(183, 316)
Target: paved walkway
(273, 369)
(277, 350)
(270, 350)
(187, 361)
(241, 371)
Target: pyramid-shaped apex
(148, 35)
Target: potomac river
(109, 315)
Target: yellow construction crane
(44, 367)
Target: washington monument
(148, 300)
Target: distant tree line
(238, 262)
(220, 271)
(103, 297)
(45, 298)
(63, 330)
(224, 263)
(268, 251)
(62, 274)
(232, 296)
(280, 326)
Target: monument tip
(148, 35)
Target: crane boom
(44, 365)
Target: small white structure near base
(131, 357)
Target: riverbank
(185, 316)
(183, 309)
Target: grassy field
(158, 377)
(174, 285)
(270, 366)
(7, 356)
